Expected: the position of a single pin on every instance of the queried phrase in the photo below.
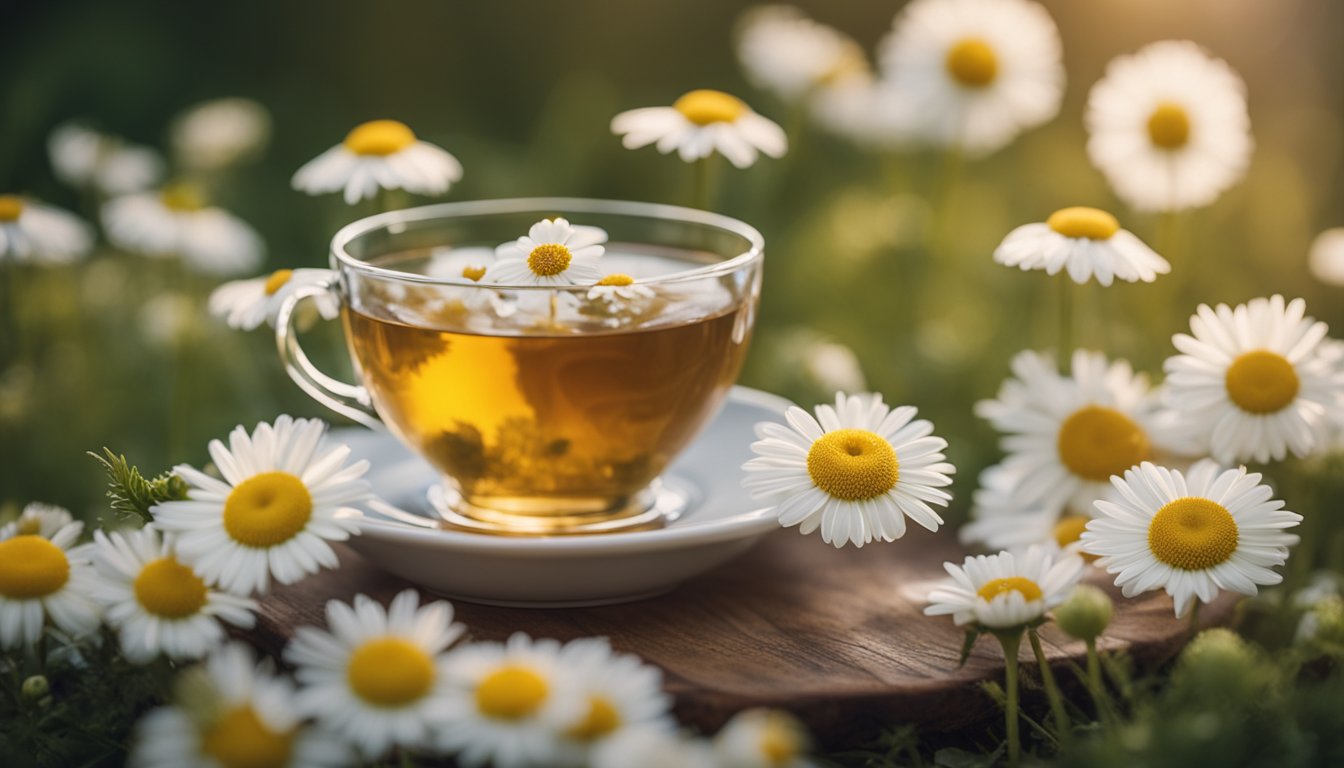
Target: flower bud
(35, 689)
(1086, 613)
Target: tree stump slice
(836, 636)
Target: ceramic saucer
(721, 522)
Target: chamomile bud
(1085, 613)
(36, 690)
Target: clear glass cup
(549, 410)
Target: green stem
(1052, 693)
(1065, 339)
(1194, 618)
(1011, 642)
(702, 192)
(942, 211)
(1094, 682)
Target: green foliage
(130, 494)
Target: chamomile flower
(231, 712)
(379, 678)
(280, 502)
(157, 604)
(621, 692)
(1252, 382)
(617, 288)
(1168, 127)
(1001, 522)
(246, 304)
(976, 73)
(785, 52)
(1191, 535)
(219, 133)
(177, 221)
(509, 703)
(763, 738)
(1006, 590)
(380, 154)
(700, 123)
(44, 579)
(1326, 258)
(553, 252)
(34, 232)
(466, 265)
(85, 158)
(1085, 242)
(37, 519)
(654, 748)
(856, 471)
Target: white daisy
(700, 123)
(553, 252)
(246, 304)
(509, 703)
(44, 578)
(1168, 127)
(1326, 258)
(1001, 522)
(617, 288)
(37, 519)
(467, 265)
(379, 678)
(654, 748)
(763, 738)
(233, 712)
(83, 157)
(219, 133)
(785, 52)
(272, 515)
(380, 154)
(33, 231)
(975, 73)
(622, 693)
(1085, 242)
(856, 471)
(176, 221)
(157, 604)
(1191, 535)
(1253, 383)
(1006, 590)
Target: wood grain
(836, 636)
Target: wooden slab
(836, 636)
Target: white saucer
(723, 521)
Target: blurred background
(878, 262)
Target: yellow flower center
(390, 672)
(1028, 589)
(549, 259)
(1169, 126)
(267, 509)
(617, 280)
(379, 138)
(181, 196)
(511, 693)
(602, 719)
(781, 743)
(11, 207)
(972, 62)
(1192, 534)
(277, 280)
(1262, 382)
(29, 525)
(853, 464)
(238, 739)
(169, 589)
(474, 274)
(705, 106)
(1069, 529)
(1097, 442)
(1080, 221)
(31, 567)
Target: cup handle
(349, 400)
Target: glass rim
(390, 221)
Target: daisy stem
(940, 237)
(1052, 693)
(1065, 323)
(1094, 681)
(1194, 618)
(1011, 642)
(701, 196)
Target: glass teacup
(549, 409)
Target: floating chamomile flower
(553, 252)
(380, 154)
(763, 738)
(783, 51)
(622, 693)
(34, 232)
(272, 515)
(232, 712)
(975, 73)
(158, 604)
(379, 678)
(1007, 590)
(177, 221)
(83, 157)
(1085, 242)
(1168, 127)
(510, 703)
(37, 519)
(1191, 535)
(1253, 383)
(246, 304)
(466, 265)
(651, 747)
(43, 578)
(219, 133)
(1326, 258)
(700, 123)
(618, 287)
(856, 471)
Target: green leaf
(130, 493)
(972, 634)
